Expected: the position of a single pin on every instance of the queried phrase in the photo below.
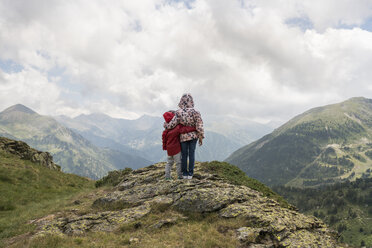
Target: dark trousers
(188, 151)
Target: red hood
(168, 116)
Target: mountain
(31, 185)
(323, 145)
(239, 130)
(219, 207)
(73, 152)
(143, 136)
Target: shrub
(113, 178)
(236, 176)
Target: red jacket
(171, 137)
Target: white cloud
(126, 58)
(28, 87)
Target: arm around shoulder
(172, 124)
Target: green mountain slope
(73, 152)
(346, 207)
(323, 145)
(31, 186)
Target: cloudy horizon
(261, 60)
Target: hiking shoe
(185, 177)
(189, 177)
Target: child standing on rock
(172, 144)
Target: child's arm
(186, 129)
(172, 124)
(164, 139)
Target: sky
(260, 60)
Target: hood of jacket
(186, 101)
(168, 116)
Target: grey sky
(259, 59)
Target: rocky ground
(265, 222)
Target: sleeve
(173, 123)
(186, 129)
(164, 139)
(199, 124)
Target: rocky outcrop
(267, 224)
(24, 151)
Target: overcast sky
(264, 60)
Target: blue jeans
(188, 150)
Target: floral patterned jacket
(187, 116)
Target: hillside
(31, 186)
(220, 207)
(345, 207)
(73, 152)
(323, 145)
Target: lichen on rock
(97, 222)
(24, 151)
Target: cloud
(30, 88)
(266, 60)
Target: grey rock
(24, 151)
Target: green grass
(113, 178)
(207, 231)
(29, 191)
(236, 176)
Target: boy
(171, 143)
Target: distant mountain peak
(147, 117)
(19, 108)
(93, 116)
(359, 100)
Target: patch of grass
(6, 205)
(49, 241)
(197, 231)
(130, 227)
(159, 207)
(236, 176)
(31, 191)
(111, 206)
(113, 178)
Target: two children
(172, 144)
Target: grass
(29, 191)
(113, 178)
(197, 231)
(236, 176)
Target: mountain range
(71, 151)
(91, 145)
(323, 145)
(142, 136)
